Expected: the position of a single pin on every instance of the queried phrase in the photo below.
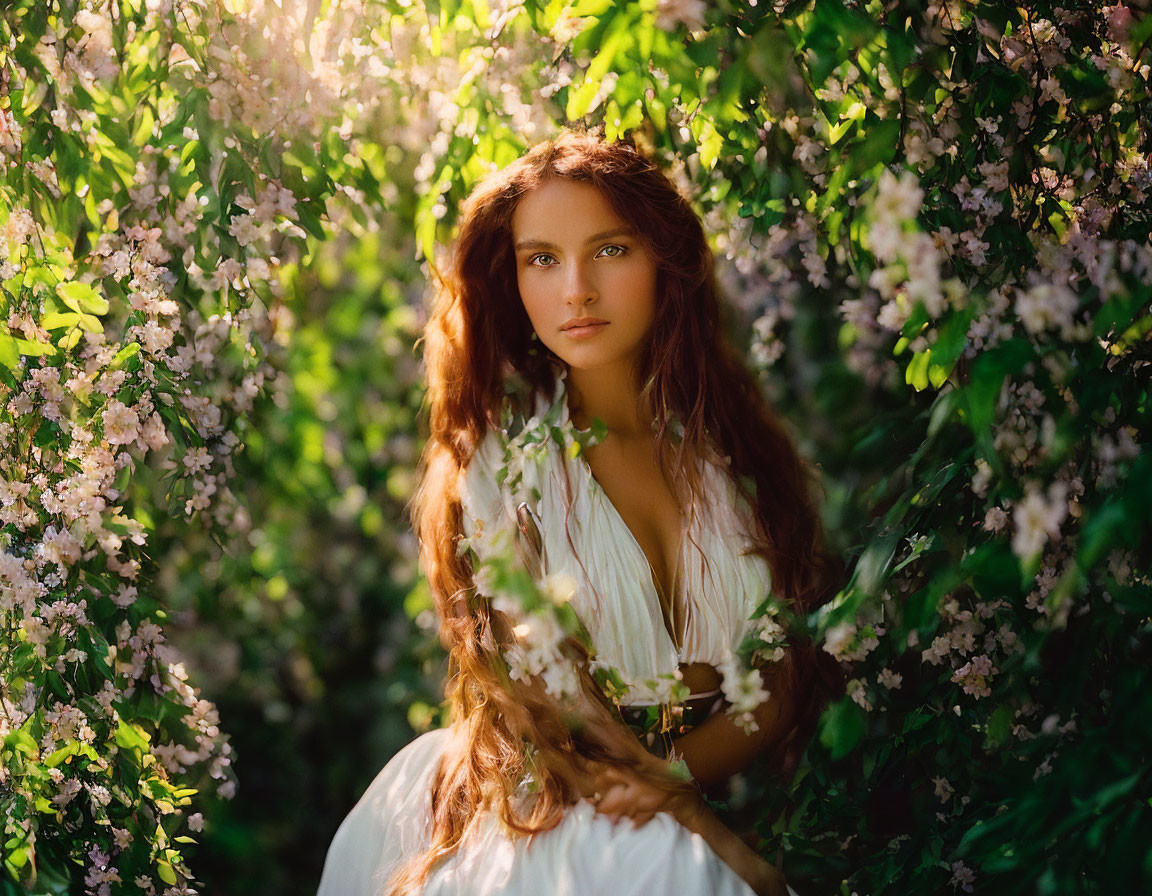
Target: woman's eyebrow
(596, 237)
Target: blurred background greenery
(302, 628)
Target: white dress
(616, 599)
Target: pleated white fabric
(718, 581)
(616, 598)
(585, 855)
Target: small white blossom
(995, 519)
(859, 694)
(743, 689)
(560, 587)
(1038, 518)
(943, 789)
(690, 13)
(962, 876)
(838, 637)
(1047, 306)
(973, 676)
(121, 425)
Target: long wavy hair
(477, 336)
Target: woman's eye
(534, 258)
(619, 250)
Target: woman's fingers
(615, 801)
(619, 792)
(640, 819)
(631, 799)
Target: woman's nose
(579, 288)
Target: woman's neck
(610, 394)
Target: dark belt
(658, 724)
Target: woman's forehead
(565, 211)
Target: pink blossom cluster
(155, 371)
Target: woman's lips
(581, 329)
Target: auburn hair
(478, 335)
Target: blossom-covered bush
(931, 221)
(142, 230)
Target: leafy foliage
(932, 221)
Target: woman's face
(586, 280)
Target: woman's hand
(618, 792)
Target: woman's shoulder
(502, 467)
(482, 500)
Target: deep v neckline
(669, 617)
(676, 638)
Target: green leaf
(9, 355)
(917, 720)
(1114, 791)
(29, 347)
(81, 297)
(1000, 726)
(131, 736)
(310, 221)
(710, 142)
(580, 101)
(916, 373)
(70, 339)
(594, 8)
(164, 869)
(873, 564)
(841, 727)
(657, 112)
(20, 741)
(90, 323)
(838, 130)
(129, 351)
(56, 320)
(62, 755)
(606, 57)
(943, 410)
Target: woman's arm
(718, 747)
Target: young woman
(606, 503)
